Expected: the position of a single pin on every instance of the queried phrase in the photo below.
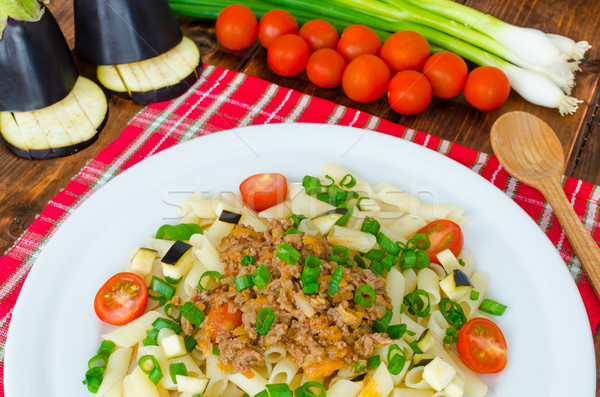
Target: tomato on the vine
(121, 299)
(288, 54)
(325, 68)
(236, 27)
(443, 234)
(482, 346)
(447, 73)
(358, 40)
(405, 50)
(262, 191)
(366, 78)
(319, 34)
(486, 88)
(275, 23)
(409, 92)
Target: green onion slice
(396, 331)
(297, 218)
(243, 282)
(305, 390)
(474, 295)
(98, 360)
(311, 270)
(330, 178)
(311, 185)
(181, 232)
(93, 378)
(150, 366)
(452, 312)
(419, 241)
(377, 267)
(371, 226)
(177, 369)
(211, 274)
(264, 320)
(451, 337)
(310, 288)
(388, 261)
(263, 393)
(422, 260)
(172, 312)
(408, 259)
(162, 322)
(360, 262)
(348, 181)
(192, 313)
(107, 347)
(344, 219)
(373, 361)
(382, 324)
(292, 230)
(418, 302)
(216, 352)
(279, 390)
(164, 291)
(287, 253)
(190, 343)
(261, 276)
(415, 347)
(387, 244)
(396, 359)
(490, 306)
(340, 255)
(360, 298)
(336, 278)
(151, 337)
(247, 260)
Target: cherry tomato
(288, 54)
(409, 92)
(319, 34)
(366, 78)
(121, 299)
(405, 50)
(358, 40)
(275, 23)
(222, 316)
(325, 68)
(262, 191)
(481, 346)
(486, 88)
(447, 73)
(443, 234)
(236, 27)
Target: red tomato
(319, 34)
(325, 68)
(358, 40)
(486, 88)
(443, 234)
(409, 92)
(447, 73)
(222, 317)
(405, 50)
(236, 27)
(121, 299)
(275, 23)
(481, 346)
(288, 54)
(262, 191)
(366, 78)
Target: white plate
(54, 330)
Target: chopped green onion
(415, 347)
(461, 262)
(163, 289)
(422, 260)
(304, 390)
(375, 255)
(345, 217)
(107, 347)
(360, 262)
(388, 261)
(330, 178)
(173, 281)
(215, 351)
(340, 255)
(419, 241)
(297, 218)
(373, 361)
(247, 260)
(310, 288)
(348, 181)
(292, 230)
(452, 312)
(492, 307)
(264, 320)
(181, 232)
(190, 343)
(311, 185)
(177, 369)
(361, 300)
(261, 276)
(396, 359)
(311, 270)
(98, 360)
(377, 267)
(415, 302)
(396, 331)
(279, 390)
(474, 295)
(192, 313)
(161, 323)
(360, 366)
(451, 337)
(210, 274)
(243, 282)
(370, 225)
(150, 366)
(93, 378)
(387, 244)
(287, 253)
(408, 259)
(382, 324)
(151, 337)
(169, 308)
(358, 201)
(336, 278)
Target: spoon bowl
(530, 151)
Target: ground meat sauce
(314, 328)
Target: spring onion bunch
(540, 66)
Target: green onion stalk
(21, 10)
(546, 80)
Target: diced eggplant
(177, 261)
(60, 129)
(112, 32)
(426, 341)
(222, 226)
(422, 359)
(230, 217)
(456, 284)
(325, 221)
(36, 66)
(142, 261)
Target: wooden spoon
(530, 151)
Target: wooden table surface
(27, 186)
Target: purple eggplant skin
(113, 32)
(36, 66)
(167, 93)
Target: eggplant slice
(156, 79)
(58, 130)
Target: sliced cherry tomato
(409, 92)
(222, 316)
(319, 34)
(443, 234)
(405, 50)
(236, 27)
(262, 191)
(275, 23)
(486, 88)
(358, 40)
(481, 346)
(121, 299)
(288, 55)
(325, 68)
(447, 73)
(366, 78)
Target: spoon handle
(584, 245)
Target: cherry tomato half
(236, 27)
(288, 54)
(319, 34)
(325, 68)
(443, 234)
(262, 191)
(366, 78)
(275, 23)
(409, 92)
(121, 299)
(405, 50)
(358, 40)
(486, 88)
(447, 73)
(481, 346)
